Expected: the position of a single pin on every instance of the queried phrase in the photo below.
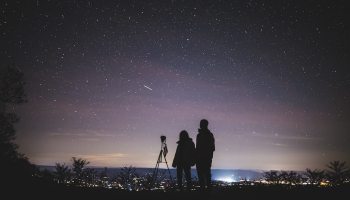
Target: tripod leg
(171, 178)
(155, 171)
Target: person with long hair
(184, 158)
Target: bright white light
(227, 179)
(149, 88)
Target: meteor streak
(147, 87)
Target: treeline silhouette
(337, 173)
(14, 165)
(79, 174)
(17, 173)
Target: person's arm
(213, 142)
(193, 154)
(197, 142)
(175, 161)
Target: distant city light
(227, 179)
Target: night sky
(105, 79)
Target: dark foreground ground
(49, 191)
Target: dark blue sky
(106, 78)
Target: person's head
(204, 124)
(184, 135)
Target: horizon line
(171, 168)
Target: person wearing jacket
(205, 147)
(184, 158)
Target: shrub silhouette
(337, 172)
(82, 176)
(315, 177)
(272, 177)
(62, 173)
(127, 178)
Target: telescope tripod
(162, 153)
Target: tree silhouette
(272, 176)
(62, 173)
(337, 172)
(79, 165)
(11, 94)
(127, 178)
(315, 176)
(293, 178)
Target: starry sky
(105, 79)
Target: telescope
(163, 138)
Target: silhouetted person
(204, 152)
(184, 158)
